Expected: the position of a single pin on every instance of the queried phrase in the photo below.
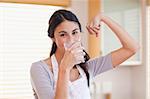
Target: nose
(71, 39)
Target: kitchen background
(24, 40)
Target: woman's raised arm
(129, 46)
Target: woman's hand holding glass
(73, 55)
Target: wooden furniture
(64, 3)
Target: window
(23, 40)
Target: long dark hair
(58, 17)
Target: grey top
(42, 78)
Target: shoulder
(41, 66)
(40, 76)
(37, 66)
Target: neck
(59, 55)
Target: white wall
(139, 82)
(139, 72)
(148, 53)
(120, 78)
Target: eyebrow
(75, 29)
(66, 32)
(62, 32)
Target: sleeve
(41, 82)
(99, 65)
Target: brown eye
(62, 35)
(75, 32)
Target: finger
(79, 53)
(96, 23)
(76, 51)
(93, 31)
(90, 30)
(75, 45)
(96, 31)
(97, 27)
(80, 59)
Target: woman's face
(67, 31)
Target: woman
(66, 73)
